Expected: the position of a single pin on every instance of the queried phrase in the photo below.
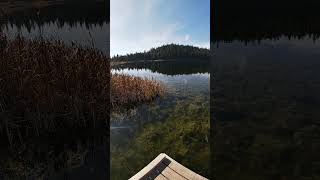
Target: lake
(177, 124)
(265, 109)
(86, 23)
(71, 155)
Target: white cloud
(187, 37)
(136, 26)
(202, 45)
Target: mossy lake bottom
(177, 124)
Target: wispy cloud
(138, 25)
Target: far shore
(8, 7)
(116, 63)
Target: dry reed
(46, 86)
(129, 90)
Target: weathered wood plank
(183, 171)
(164, 166)
(170, 174)
(180, 169)
(161, 177)
(155, 171)
(148, 168)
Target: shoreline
(9, 7)
(118, 63)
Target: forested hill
(169, 51)
(251, 20)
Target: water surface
(177, 124)
(265, 109)
(82, 22)
(75, 155)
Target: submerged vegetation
(128, 90)
(183, 134)
(170, 51)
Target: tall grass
(128, 90)
(46, 86)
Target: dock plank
(185, 172)
(161, 177)
(170, 174)
(164, 167)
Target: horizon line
(144, 51)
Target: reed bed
(127, 91)
(46, 86)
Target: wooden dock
(164, 167)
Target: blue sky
(138, 25)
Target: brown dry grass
(46, 86)
(129, 90)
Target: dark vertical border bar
(108, 123)
(213, 21)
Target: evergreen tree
(169, 51)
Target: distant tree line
(69, 12)
(169, 51)
(251, 20)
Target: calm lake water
(266, 109)
(75, 155)
(177, 124)
(87, 35)
(86, 23)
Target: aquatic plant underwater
(183, 134)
